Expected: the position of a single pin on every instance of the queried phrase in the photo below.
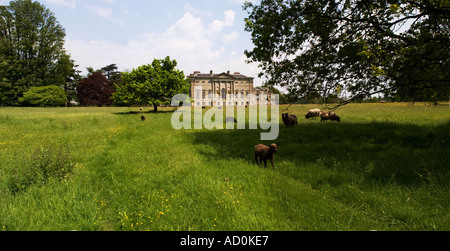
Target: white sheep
(313, 113)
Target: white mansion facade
(225, 89)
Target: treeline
(351, 52)
(32, 52)
(36, 70)
(316, 98)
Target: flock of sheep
(291, 120)
(264, 153)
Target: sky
(201, 35)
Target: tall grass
(385, 167)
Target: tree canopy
(153, 84)
(95, 90)
(31, 50)
(353, 48)
(109, 71)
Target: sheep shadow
(385, 152)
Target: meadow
(385, 167)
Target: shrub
(45, 164)
(50, 95)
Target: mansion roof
(224, 75)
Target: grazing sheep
(324, 116)
(313, 113)
(289, 120)
(265, 153)
(141, 109)
(143, 118)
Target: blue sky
(201, 35)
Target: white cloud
(228, 38)
(217, 26)
(195, 45)
(101, 12)
(189, 8)
(107, 14)
(103, 9)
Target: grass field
(385, 167)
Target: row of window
(221, 103)
(203, 94)
(209, 82)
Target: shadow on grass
(404, 154)
(143, 112)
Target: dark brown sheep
(289, 120)
(143, 118)
(265, 153)
(329, 116)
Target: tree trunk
(155, 108)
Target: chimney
(211, 72)
(228, 72)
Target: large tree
(353, 48)
(31, 50)
(95, 90)
(110, 71)
(153, 84)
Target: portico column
(226, 90)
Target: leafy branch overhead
(353, 48)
